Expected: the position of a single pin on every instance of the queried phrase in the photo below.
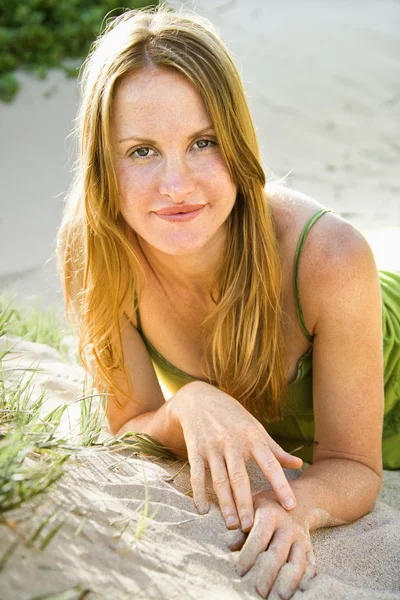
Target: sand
(180, 553)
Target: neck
(191, 274)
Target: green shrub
(38, 35)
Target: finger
(310, 572)
(257, 541)
(273, 471)
(288, 461)
(198, 483)
(291, 573)
(235, 538)
(240, 485)
(272, 561)
(222, 487)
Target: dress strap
(136, 307)
(299, 249)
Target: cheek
(134, 185)
(221, 186)
(216, 175)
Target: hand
(222, 435)
(288, 559)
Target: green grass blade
(66, 594)
(51, 535)
(37, 532)
(80, 527)
(8, 553)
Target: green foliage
(33, 325)
(38, 35)
(32, 450)
(31, 455)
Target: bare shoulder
(331, 240)
(292, 210)
(334, 250)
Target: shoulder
(336, 258)
(331, 241)
(291, 211)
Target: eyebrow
(149, 141)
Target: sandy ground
(322, 79)
(180, 554)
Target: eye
(143, 152)
(203, 144)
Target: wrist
(303, 512)
(179, 401)
(313, 500)
(173, 428)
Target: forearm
(162, 425)
(336, 491)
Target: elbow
(115, 428)
(111, 427)
(376, 473)
(378, 483)
(373, 486)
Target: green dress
(296, 428)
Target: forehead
(154, 98)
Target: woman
(258, 308)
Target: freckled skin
(343, 482)
(161, 105)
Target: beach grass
(34, 325)
(75, 593)
(33, 453)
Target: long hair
(97, 262)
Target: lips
(174, 210)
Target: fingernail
(203, 509)
(246, 523)
(289, 503)
(231, 521)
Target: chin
(180, 243)
(183, 249)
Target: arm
(143, 408)
(212, 429)
(348, 390)
(162, 426)
(203, 424)
(344, 480)
(336, 491)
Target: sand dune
(180, 553)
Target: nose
(176, 180)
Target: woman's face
(166, 155)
